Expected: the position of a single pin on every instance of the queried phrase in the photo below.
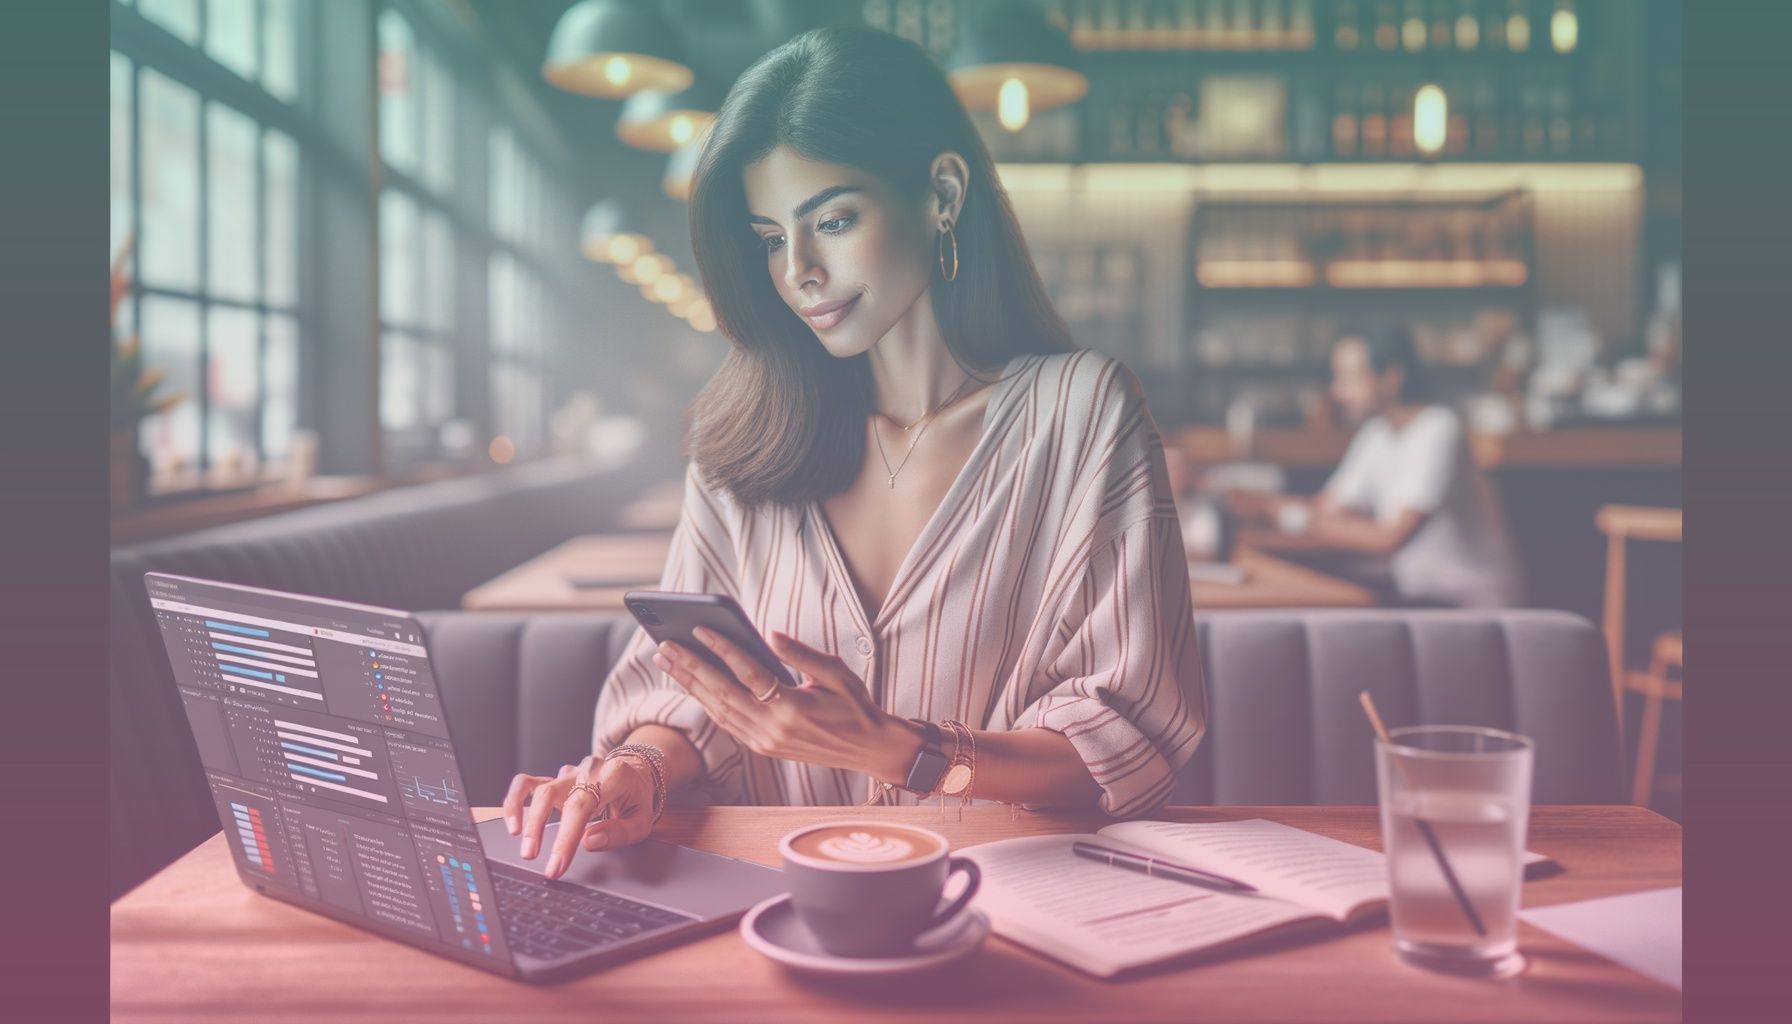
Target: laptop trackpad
(678, 877)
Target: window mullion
(203, 291)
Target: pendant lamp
(1010, 60)
(610, 235)
(614, 49)
(662, 121)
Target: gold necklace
(925, 421)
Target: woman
(937, 509)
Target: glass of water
(1455, 803)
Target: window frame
(147, 46)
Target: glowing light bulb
(648, 269)
(1430, 114)
(667, 288)
(616, 71)
(1011, 105)
(1518, 33)
(622, 249)
(682, 129)
(1468, 32)
(1564, 30)
(1412, 34)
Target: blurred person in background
(1408, 490)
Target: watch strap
(930, 762)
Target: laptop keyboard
(549, 921)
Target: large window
(525, 317)
(418, 342)
(210, 194)
(241, 157)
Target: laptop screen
(322, 734)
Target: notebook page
(1104, 919)
(1292, 864)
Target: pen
(1160, 868)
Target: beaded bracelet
(961, 734)
(655, 759)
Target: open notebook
(1105, 920)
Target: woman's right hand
(626, 785)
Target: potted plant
(134, 398)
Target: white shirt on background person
(1460, 554)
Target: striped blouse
(1049, 589)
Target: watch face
(957, 778)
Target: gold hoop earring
(945, 236)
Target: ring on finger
(594, 788)
(772, 695)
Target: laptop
(329, 755)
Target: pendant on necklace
(892, 481)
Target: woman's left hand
(829, 720)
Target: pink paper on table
(1640, 930)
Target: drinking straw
(1437, 850)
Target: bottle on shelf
(1532, 105)
(1400, 137)
(1511, 122)
(1300, 25)
(1387, 27)
(1493, 27)
(1561, 125)
(1487, 126)
(1119, 140)
(1440, 24)
(1179, 124)
(1468, 28)
(1243, 25)
(1138, 35)
(1149, 133)
(1272, 32)
(1345, 36)
(1213, 24)
(1456, 122)
(1307, 123)
(1083, 34)
(1374, 123)
(1518, 28)
(1412, 27)
(1344, 121)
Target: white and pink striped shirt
(1048, 589)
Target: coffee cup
(871, 888)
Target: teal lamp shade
(613, 49)
(610, 235)
(662, 121)
(1011, 40)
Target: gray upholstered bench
(1284, 723)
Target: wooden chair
(1622, 524)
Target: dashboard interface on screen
(321, 730)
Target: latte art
(865, 848)
(866, 844)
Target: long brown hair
(783, 420)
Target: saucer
(773, 928)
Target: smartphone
(667, 615)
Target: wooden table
(542, 583)
(193, 944)
(1272, 582)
